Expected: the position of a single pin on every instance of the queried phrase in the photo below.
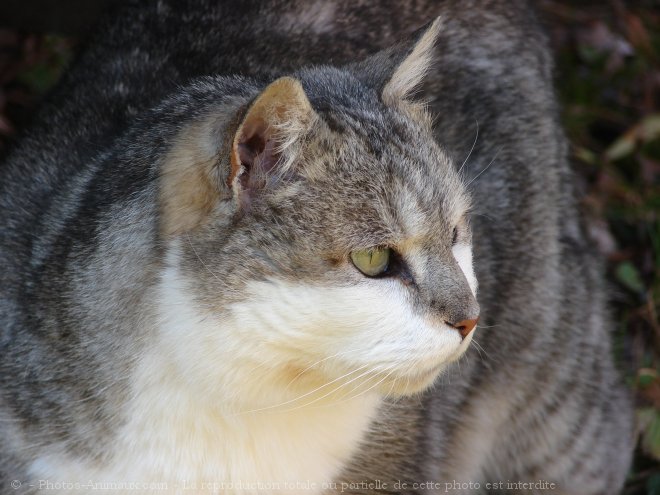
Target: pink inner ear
(257, 156)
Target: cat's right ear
(206, 165)
(397, 71)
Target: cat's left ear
(267, 141)
(397, 71)
(208, 166)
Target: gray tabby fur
(81, 243)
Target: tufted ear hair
(397, 71)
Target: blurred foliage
(608, 80)
(29, 65)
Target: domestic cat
(237, 246)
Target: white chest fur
(171, 438)
(172, 445)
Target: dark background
(608, 80)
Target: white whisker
(332, 391)
(275, 406)
(224, 285)
(471, 149)
(484, 169)
(344, 353)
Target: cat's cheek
(463, 255)
(368, 335)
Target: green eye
(372, 262)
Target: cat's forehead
(374, 172)
(383, 179)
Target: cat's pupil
(454, 238)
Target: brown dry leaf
(648, 385)
(638, 34)
(6, 128)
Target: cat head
(318, 238)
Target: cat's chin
(413, 383)
(418, 381)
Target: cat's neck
(295, 450)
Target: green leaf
(645, 131)
(649, 128)
(39, 78)
(585, 155)
(645, 380)
(651, 436)
(627, 274)
(653, 484)
(621, 148)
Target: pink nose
(464, 327)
